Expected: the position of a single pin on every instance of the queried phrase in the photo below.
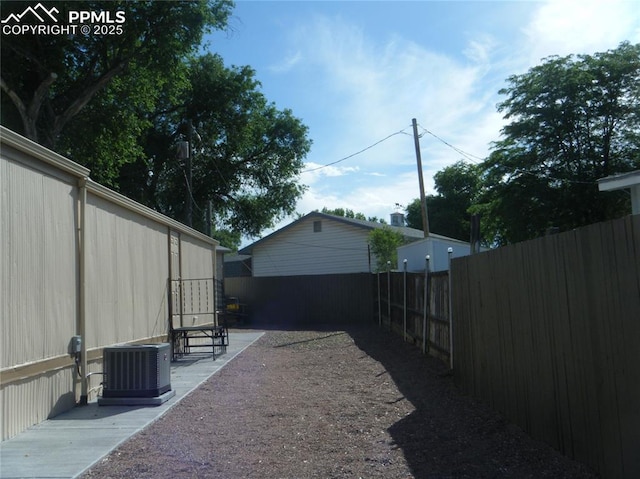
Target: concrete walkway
(69, 444)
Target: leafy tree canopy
(227, 238)
(121, 105)
(573, 120)
(53, 77)
(347, 213)
(245, 153)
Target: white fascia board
(619, 182)
(32, 148)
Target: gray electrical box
(75, 345)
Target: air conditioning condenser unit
(138, 374)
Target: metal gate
(193, 302)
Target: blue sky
(356, 72)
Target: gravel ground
(333, 404)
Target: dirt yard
(332, 404)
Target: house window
(317, 226)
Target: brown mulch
(333, 404)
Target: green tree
(227, 238)
(245, 153)
(573, 120)
(52, 78)
(384, 242)
(348, 213)
(121, 104)
(458, 187)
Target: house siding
(77, 258)
(38, 230)
(337, 248)
(127, 262)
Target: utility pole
(423, 200)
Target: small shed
(437, 247)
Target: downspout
(84, 378)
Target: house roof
(630, 180)
(616, 182)
(231, 258)
(405, 231)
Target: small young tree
(384, 243)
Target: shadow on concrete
(187, 360)
(94, 411)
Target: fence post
(425, 314)
(404, 301)
(450, 252)
(389, 293)
(379, 303)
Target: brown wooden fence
(305, 301)
(548, 332)
(348, 299)
(405, 306)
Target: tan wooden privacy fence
(411, 303)
(548, 332)
(305, 301)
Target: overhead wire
(475, 159)
(469, 156)
(472, 158)
(357, 152)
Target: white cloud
(313, 172)
(480, 49)
(373, 87)
(376, 86)
(363, 88)
(564, 27)
(287, 64)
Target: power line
(468, 156)
(473, 159)
(401, 132)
